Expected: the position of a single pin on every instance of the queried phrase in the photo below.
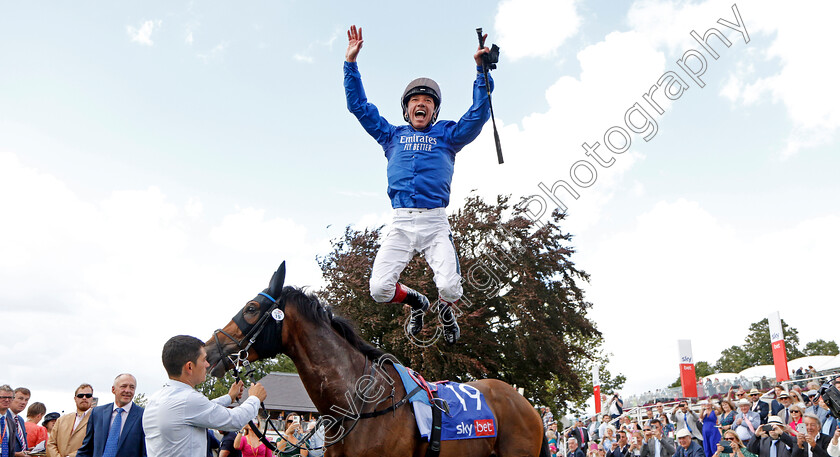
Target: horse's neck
(328, 365)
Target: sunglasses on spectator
(84, 395)
(6, 397)
(729, 439)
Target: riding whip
(488, 62)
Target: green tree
(821, 347)
(757, 347)
(140, 400)
(732, 360)
(216, 387)
(524, 316)
(609, 383)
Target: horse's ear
(275, 286)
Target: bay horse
(331, 359)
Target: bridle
(239, 359)
(252, 331)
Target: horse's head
(254, 332)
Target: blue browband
(268, 297)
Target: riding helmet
(425, 86)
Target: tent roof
(816, 360)
(285, 392)
(759, 371)
(833, 362)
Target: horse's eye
(250, 309)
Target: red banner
(597, 399)
(780, 361)
(777, 340)
(688, 380)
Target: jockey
(421, 160)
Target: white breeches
(424, 231)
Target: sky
(158, 160)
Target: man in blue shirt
(421, 161)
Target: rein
(240, 359)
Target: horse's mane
(310, 307)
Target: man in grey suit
(657, 445)
(683, 417)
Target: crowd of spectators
(713, 386)
(738, 423)
(73, 434)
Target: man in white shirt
(602, 429)
(177, 417)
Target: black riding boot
(419, 305)
(451, 331)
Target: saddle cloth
(469, 415)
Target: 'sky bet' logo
(484, 427)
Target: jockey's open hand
(354, 43)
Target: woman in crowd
(609, 439)
(727, 416)
(290, 444)
(636, 442)
(711, 434)
(795, 415)
(667, 426)
(35, 433)
(552, 441)
(738, 448)
(250, 445)
(633, 425)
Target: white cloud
(143, 34)
(535, 28)
(681, 273)
(613, 72)
(303, 58)
(306, 56)
(216, 54)
(131, 269)
(801, 75)
(189, 31)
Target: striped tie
(20, 429)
